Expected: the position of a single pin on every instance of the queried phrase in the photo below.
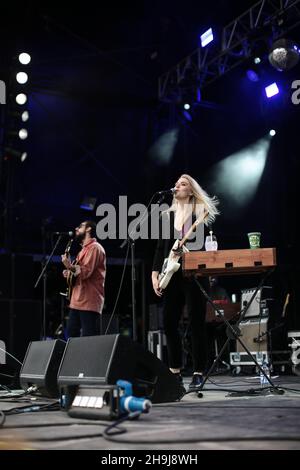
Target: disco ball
(284, 55)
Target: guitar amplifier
(254, 334)
(260, 302)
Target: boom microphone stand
(43, 275)
(233, 332)
(131, 241)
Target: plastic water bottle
(211, 243)
(263, 379)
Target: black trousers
(182, 291)
(82, 322)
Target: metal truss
(203, 66)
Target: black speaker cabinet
(40, 366)
(93, 360)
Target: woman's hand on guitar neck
(155, 284)
(66, 273)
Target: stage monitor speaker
(93, 360)
(40, 366)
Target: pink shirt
(88, 291)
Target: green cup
(254, 240)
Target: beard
(80, 237)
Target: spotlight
(23, 156)
(21, 98)
(272, 132)
(24, 58)
(22, 115)
(22, 77)
(187, 116)
(272, 90)
(88, 203)
(186, 106)
(257, 60)
(16, 153)
(23, 134)
(284, 55)
(252, 75)
(25, 116)
(206, 37)
(237, 177)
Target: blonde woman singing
(189, 202)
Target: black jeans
(85, 322)
(180, 291)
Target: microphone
(66, 234)
(168, 191)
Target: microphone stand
(44, 275)
(131, 241)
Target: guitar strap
(170, 216)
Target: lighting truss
(204, 66)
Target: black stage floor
(216, 421)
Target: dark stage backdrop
(95, 121)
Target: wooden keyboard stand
(199, 264)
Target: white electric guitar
(171, 264)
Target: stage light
(88, 203)
(24, 58)
(284, 54)
(254, 69)
(21, 98)
(187, 116)
(19, 154)
(22, 115)
(186, 106)
(161, 152)
(23, 134)
(272, 132)
(207, 37)
(252, 75)
(25, 116)
(23, 156)
(22, 77)
(237, 176)
(271, 90)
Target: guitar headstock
(68, 247)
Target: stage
(214, 422)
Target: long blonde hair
(199, 199)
